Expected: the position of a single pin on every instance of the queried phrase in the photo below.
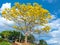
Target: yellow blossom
(4, 12)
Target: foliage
(10, 35)
(33, 44)
(42, 42)
(31, 38)
(27, 15)
(5, 35)
(15, 35)
(5, 43)
(1, 39)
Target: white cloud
(6, 5)
(2, 20)
(54, 24)
(5, 24)
(56, 38)
(53, 16)
(52, 41)
(55, 35)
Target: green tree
(15, 35)
(31, 38)
(42, 42)
(5, 34)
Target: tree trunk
(26, 38)
(20, 37)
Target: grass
(5, 43)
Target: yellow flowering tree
(27, 17)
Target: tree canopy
(26, 16)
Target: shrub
(1, 39)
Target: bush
(1, 39)
(42, 42)
(32, 44)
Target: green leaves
(5, 43)
(42, 42)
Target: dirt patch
(14, 44)
(17, 43)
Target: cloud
(53, 16)
(54, 24)
(6, 5)
(55, 37)
(3, 22)
(55, 34)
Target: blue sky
(53, 37)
